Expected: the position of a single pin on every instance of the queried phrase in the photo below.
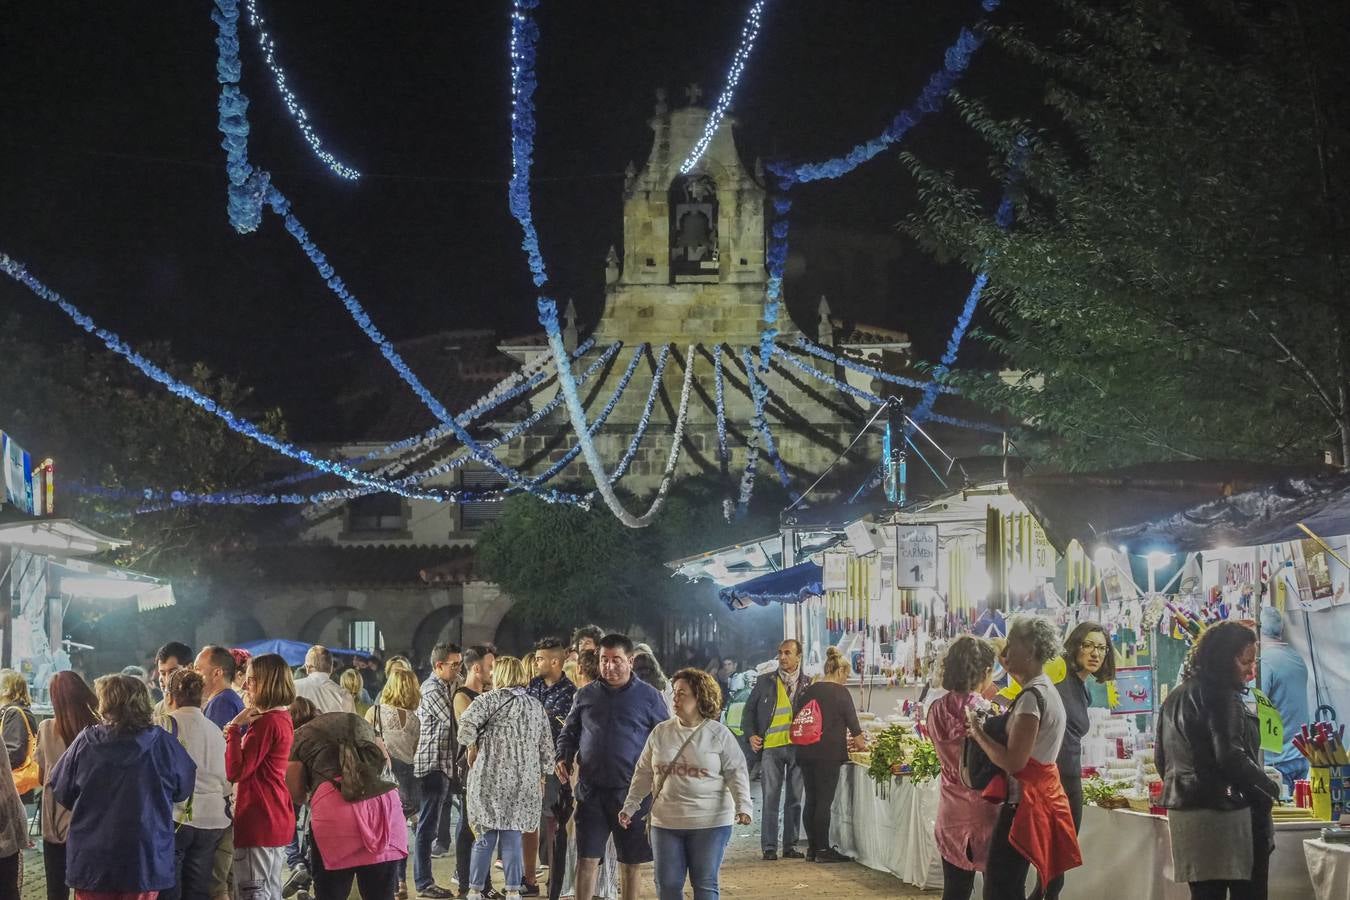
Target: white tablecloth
(1329, 869)
(1126, 847)
(892, 834)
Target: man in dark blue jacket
(605, 733)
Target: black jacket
(1207, 750)
(763, 700)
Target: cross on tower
(694, 93)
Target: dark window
(478, 514)
(376, 512)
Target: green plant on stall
(924, 765)
(1098, 790)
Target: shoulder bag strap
(656, 792)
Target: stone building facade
(387, 573)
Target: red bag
(807, 725)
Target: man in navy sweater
(604, 734)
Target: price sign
(1272, 726)
(916, 556)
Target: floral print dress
(515, 751)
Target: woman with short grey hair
(1036, 812)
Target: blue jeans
(435, 785)
(781, 782)
(513, 859)
(693, 852)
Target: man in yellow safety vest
(767, 720)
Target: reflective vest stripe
(779, 728)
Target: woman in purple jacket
(120, 780)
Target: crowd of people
(251, 781)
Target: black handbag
(977, 769)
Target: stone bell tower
(692, 267)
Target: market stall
(890, 831)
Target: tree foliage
(1174, 285)
(104, 426)
(565, 566)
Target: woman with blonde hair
(19, 728)
(350, 681)
(264, 820)
(394, 716)
(120, 780)
(820, 762)
(510, 750)
(699, 782)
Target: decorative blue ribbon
(646, 418)
(723, 453)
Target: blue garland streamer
(256, 190)
(646, 418)
(955, 62)
(288, 97)
(1003, 217)
(16, 270)
(600, 420)
(869, 397)
(759, 393)
(839, 359)
(524, 40)
(723, 453)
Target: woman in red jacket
(264, 820)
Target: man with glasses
(434, 761)
(606, 730)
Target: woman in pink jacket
(965, 820)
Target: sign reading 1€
(916, 548)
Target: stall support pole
(6, 606)
(792, 626)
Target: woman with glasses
(1087, 654)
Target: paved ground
(745, 876)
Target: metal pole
(6, 605)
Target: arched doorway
(343, 626)
(442, 625)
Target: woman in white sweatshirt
(201, 822)
(699, 783)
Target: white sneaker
(513, 895)
(473, 895)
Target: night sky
(114, 185)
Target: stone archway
(332, 627)
(444, 624)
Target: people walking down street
(216, 665)
(1035, 816)
(767, 720)
(509, 745)
(264, 820)
(357, 828)
(1087, 654)
(350, 681)
(74, 708)
(318, 686)
(965, 820)
(19, 728)
(434, 761)
(479, 661)
(820, 763)
(200, 823)
(1217, 794)
(610, 722)
(120, 780)
(394, 717)
(699, 784)
(555, 692)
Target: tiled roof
(458, 567)
(860, 333)
(383, 565)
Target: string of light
(749, 32)
(288, 97)
(251, 188)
